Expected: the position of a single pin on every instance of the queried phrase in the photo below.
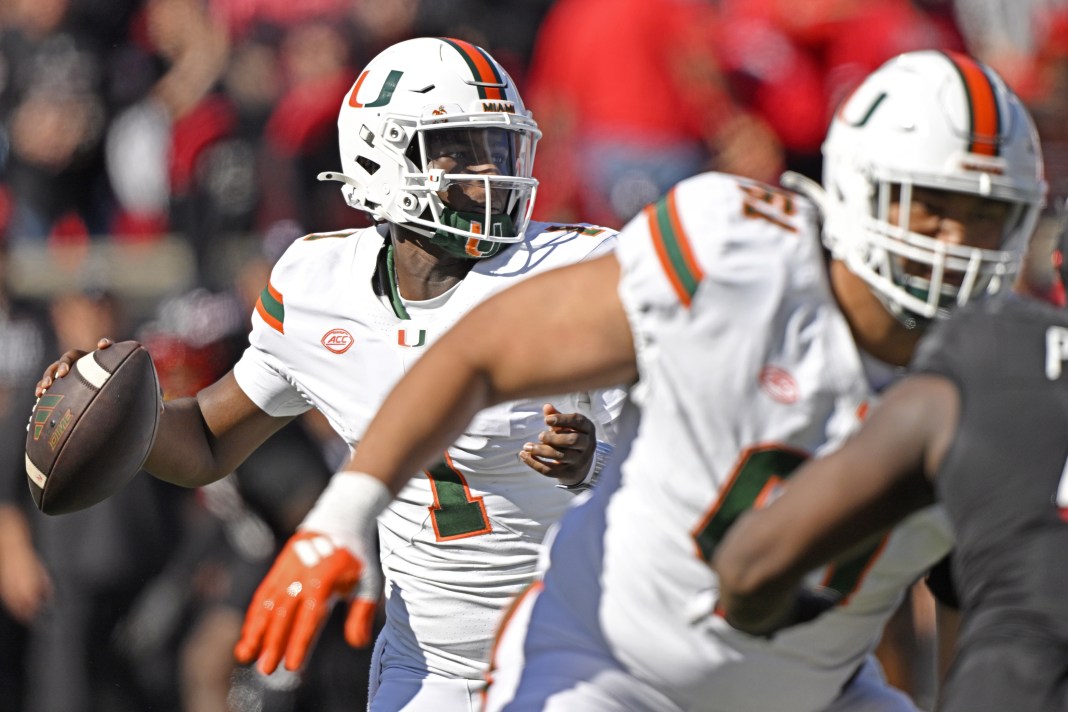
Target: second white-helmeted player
(751, 360)
(749, 352)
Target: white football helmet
(937, 120)
(432, 91)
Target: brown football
(91, 431)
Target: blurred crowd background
(156, 157)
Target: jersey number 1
(755, 479)
(455, 513)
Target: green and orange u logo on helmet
(390, 86)
(485, 73)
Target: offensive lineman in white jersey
(437, 146)
(748, 353)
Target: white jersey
(747, 366)
(462, 538)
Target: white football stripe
(92, 371)
(39, 478)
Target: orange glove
(325, 559)
(360, 622)
(294, 599)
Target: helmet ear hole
(408, 202)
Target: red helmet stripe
(484, 70)
(985, 127)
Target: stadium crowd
(128, 124)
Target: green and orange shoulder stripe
(271, 308)
(673, 247)
(271, 304)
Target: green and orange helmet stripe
(984, 110)
(673, 248)
(984, 128)
(487, 76)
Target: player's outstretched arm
(199, 439)
(204, 438)
(834, 503)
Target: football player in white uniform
(748, 352)
(438, 147)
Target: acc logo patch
(337, 340)
(779, 384)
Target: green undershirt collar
(394, 289)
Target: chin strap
(471, 247)
(501, 225)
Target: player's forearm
(760, 573)
(757, 612)
(423, 415)
(203, 439)
(756, 585)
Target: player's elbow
(750, 570)
(743, 576)
(184, 451)
(188, 472)
(753, 597)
